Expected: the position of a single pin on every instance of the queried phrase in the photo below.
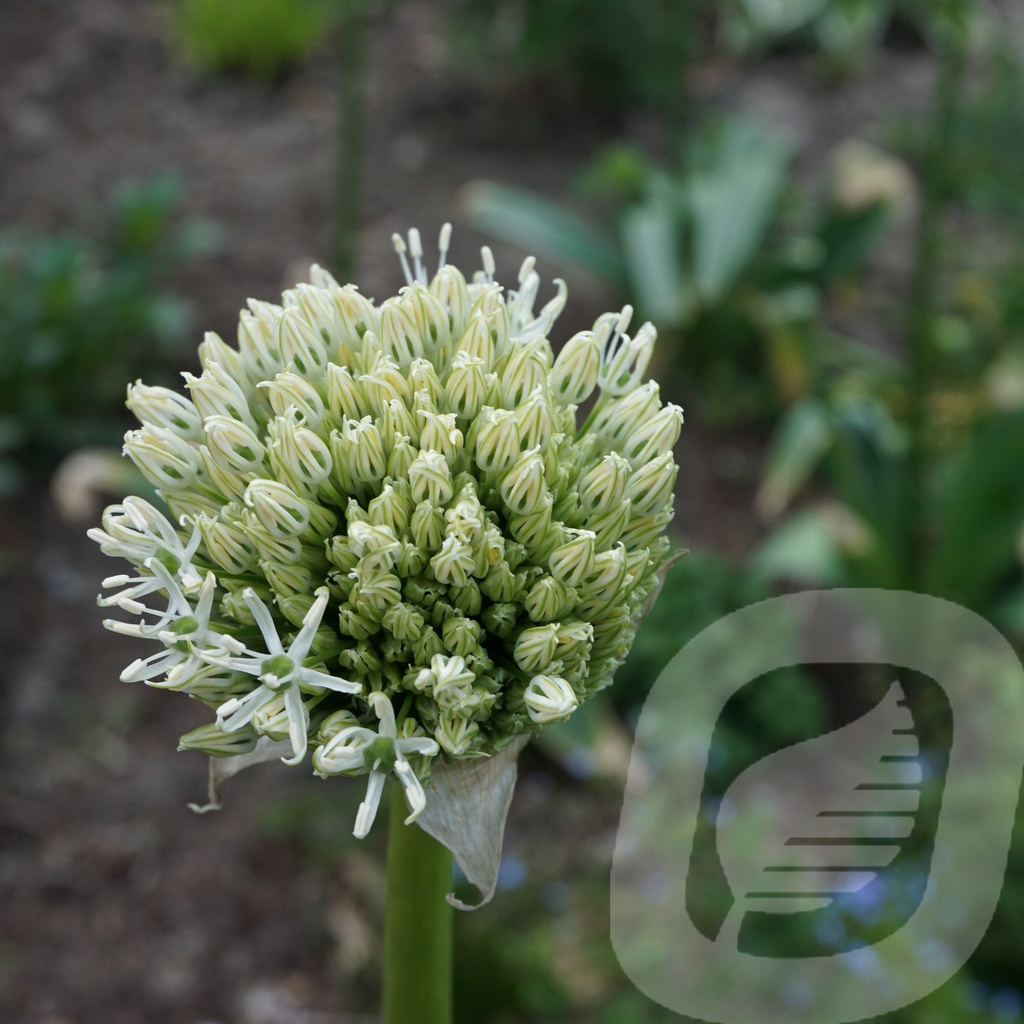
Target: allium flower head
(390, 539)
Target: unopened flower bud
(227, 544)
(162, 457)
(496, 440)
(573, 561)
(455, 735)
(212, 740)
(655, 437)
(466, 387)
(650, 486)
(165, 408)
(289, 391)
(574, 375)
(535, 649)
(523, 488)
(345, 397)
(549, 599)
(549, 699)
(403, 621)
(232, 444)
(604, 485)
(439, 433)
(526, 368)
(281, 512)
(358, 452)
(534, 419)
(430, 478)
(301, 346)
(427, 526)
(215, 393)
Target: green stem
(348, 186)
(923, 291)
(417, 925)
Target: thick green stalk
(417, 925)
(349, 174)
(923, 291)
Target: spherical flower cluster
(395, 542)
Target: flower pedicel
(396, 543)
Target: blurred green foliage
(717, 251)
(608, 53)
(258, 38)
(80, 316)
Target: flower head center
(277, 670)
(380, 754)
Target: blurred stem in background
(952, 42)
(348, 183)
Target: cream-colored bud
(430, 318)
(289, 581)
(451, 290)
(609, 523)
(398, 421)
(621, 417)
(258, 341)
(319, 309)
(574, 561)
(496, 439)
(227, 544)
(650, 486)
(215, 393)
(228, 485)
(535, 649)
(271, 548)
(604, 484)
(456, 736)
(478, 341)
(549, 699)
(358, 453)
(423, 377)
(162, 457)
(624, 360)
(537, 531)
(453, 563)
(400, 338)
(298, 456)
(574, 640)
(403, 621)
(535, 420)
(162, 407)
(439, 433)
(654, 437)
(430, 478)
(549, 599)
(281, 512)
(384, 381)
(288, 391)
(642, 531)
(574, 375)
(392, 507)
(213, 349)
(345, 397)
(212, 740)
(523, 487)
(375, 591)
(466, 387)
(359, 317)
(527, 367)
(301, 346)
(232, 445)
(427, 526)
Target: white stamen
(399, 243)
(527, 268)
(416, 250)
(622, 324)
(488, 261)
(443, 241)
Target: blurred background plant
(83, 314)
(262, 39)
(722, 252)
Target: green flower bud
(495, 437)
(574, 640)
(535, 649)
(375, 591)
(398, 422)
(440, 434)
(232, 445)
(549, 599)
(527, 368)
(215, 393)
(298, 456)
(656, 436)
(341, 554)
(426, 646)
(162, 457)
(300, 345)
(449, 287)
(430, 318)
(523, 487)
(403, 621)
(549, 699)
(621, 417)
(211, 740)
(384, 382)
(392, 507)
(280, 511)
(430, 478)
(604, 484)
(333, 724)
(213, 349)
(456, 736)
(467, 598)
(534, 420)
(608, 523)
(227, 544)
(466, 387)
(288, 580)
(345, 397)
(500, 619)
(411, 560)
(400, 459)
(288, 391)
(461, 635)
(427, 526)
(574, 560)
(537, 532)
(359, 316)
(574, 375)
(358, 453)
(500, 584)
(400, 338)
(355, 625)
(376, 546)
(162, 407)
(650, 486)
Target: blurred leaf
(732, 202)
(544, 228)
(800, 443)
(805, 548)
(650, 244)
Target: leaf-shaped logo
(820, 819)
